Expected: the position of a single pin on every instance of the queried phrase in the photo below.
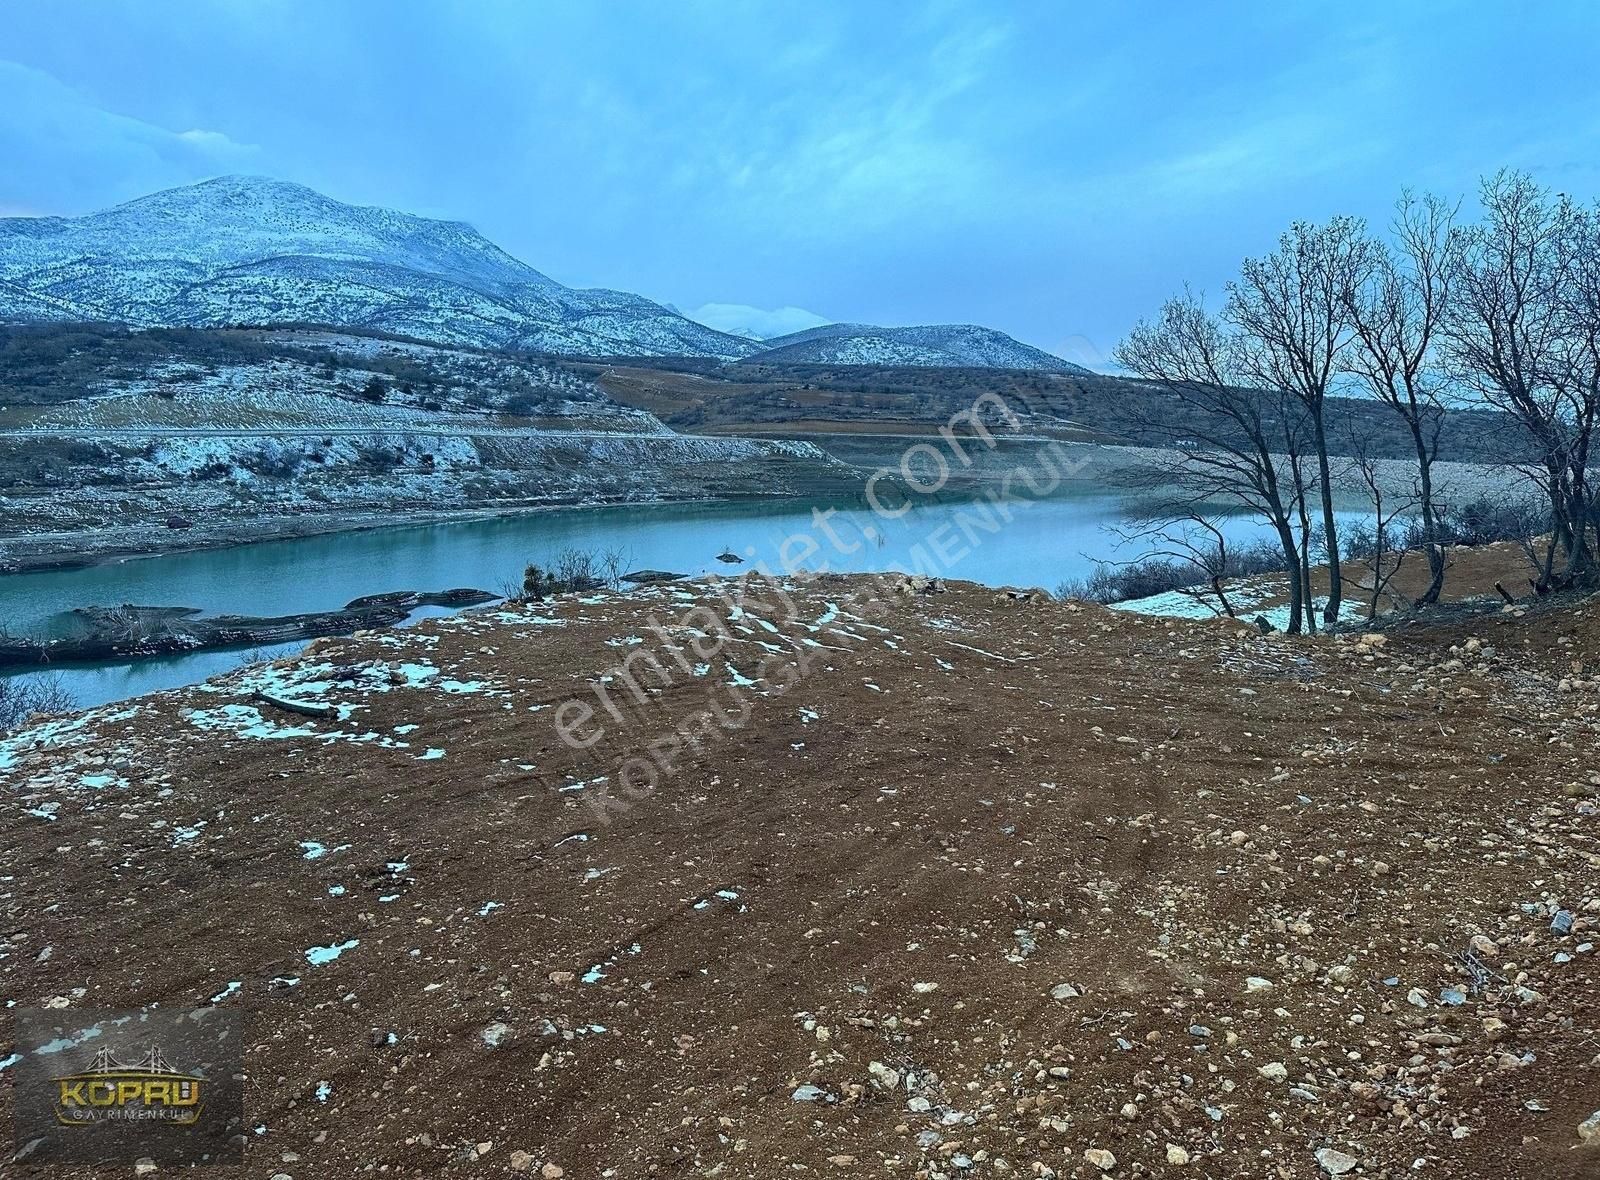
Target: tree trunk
(1330, 528)
(1430, 520)
(1291, 566)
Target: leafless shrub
(21, 697)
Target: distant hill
(939, 345)
(248, 250)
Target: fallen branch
(303, 708)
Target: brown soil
(876, 887)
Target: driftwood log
(140, 632)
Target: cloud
(65, 154)
(754, 322)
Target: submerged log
(646, 577)
(411, 599)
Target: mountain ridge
(239, 249)
(248, 250)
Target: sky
(1053, 170)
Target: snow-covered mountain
(248, 250)
(958, 345)
(256, 251)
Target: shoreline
(118, 550)
(1126, 467)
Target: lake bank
(33, 540)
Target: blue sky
(1051, 169)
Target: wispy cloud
(743, 320)
(59, 144)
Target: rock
(561, 977)
(842, 1161)
(1256, 983)
(1274, 1071)
(145, 1166)
(552, 1172)
(1177, 1156)
(882, 1075)
(521, 1161)
(1562, 922)
(1064, 991)
(923, 989)
(1589, 1129)
(495, 1033)
(1335, 1162)
(1100, 1158)
(808, 1094)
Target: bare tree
(1291, 310)
(1523, 331)
(1235, 435)
(1396, 306)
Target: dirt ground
(971, 885)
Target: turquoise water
(1042, 543)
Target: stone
(808, 1094)
(1100, 1158)
(1256, 983)
(552, 1172)
(883, 1076)
(1176, 1155)
(521, 1161)
(1589, 1129)
(144, 1167)
(1335, 1162)
(1562, 922)
(1064, 991)
(1274, 1071)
